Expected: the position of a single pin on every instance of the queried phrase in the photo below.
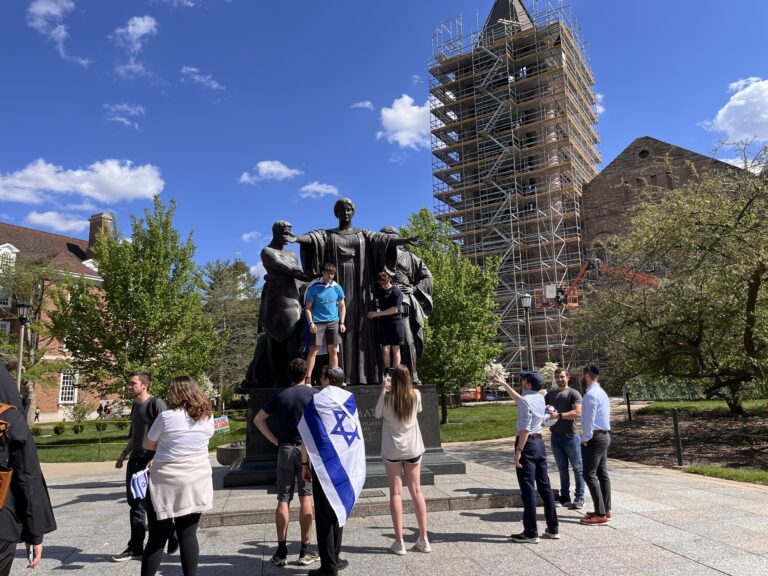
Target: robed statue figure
(280, 313)
(359, 255)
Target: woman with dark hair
(401, 449)
(181, 484)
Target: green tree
(28, 280)
(461, 332)
(145, 314)
(232, 303)
(707, 319)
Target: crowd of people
(320, 450)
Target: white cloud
(318, 190)
(106, 181)
(745, 115)
(744, 163)
(85, 206)
(135, 33)
(57, 221)
(405, 123)
(269, 170)
(258, 270)
(366, 104)
(250, 236)
(124, 114)
(739, 85)
(131, 69)
(416, 79)
(599, 108)
(46, 17)
(196, 77)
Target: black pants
(532, 477)
(138, 516)
(159, 533)
(594, 458)
(7, 552)
(329, 532)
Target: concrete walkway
(665, 522)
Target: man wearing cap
(595, 440)
(566, 444)
(531, 458)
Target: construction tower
(513, 141)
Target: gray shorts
(289, 473)
(327, 332)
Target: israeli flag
(333, 436)
(139, 483)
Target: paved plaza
(665, 522)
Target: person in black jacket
(27, 514)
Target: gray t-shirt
(564, 401)
(142, 417)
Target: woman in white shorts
(401, 449)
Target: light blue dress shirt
(531, 411)
(595, 412)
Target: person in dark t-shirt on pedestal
(389, 304)
(565, 441)
(288, 406)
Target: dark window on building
(654, 180)
(670, 180)
(644, 154)
(640, 182)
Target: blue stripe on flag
(330, 458)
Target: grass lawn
(737, 474)
(84, 447)
(759, 407)
(484, 422)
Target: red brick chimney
(100, 224)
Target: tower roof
(513, 10)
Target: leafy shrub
(58, 429)
(80, 411)
(101, 426)
(36, 431)
(77, 428)
(121, 424)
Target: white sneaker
(422, 545)
(398, 547)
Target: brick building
(609, 197)
(62, 255)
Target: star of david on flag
(331, 432)
(139, 484)
(339, 428)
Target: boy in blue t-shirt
(325, 311)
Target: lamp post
(22, 313)
(525, 301)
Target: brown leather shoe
(591, 514)
(593, 520)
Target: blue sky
(246, 112)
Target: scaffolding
(514, 138)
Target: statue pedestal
(258, 466)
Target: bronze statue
(415, 282)
(280, 312)
(359, 255)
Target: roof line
(37, 231)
